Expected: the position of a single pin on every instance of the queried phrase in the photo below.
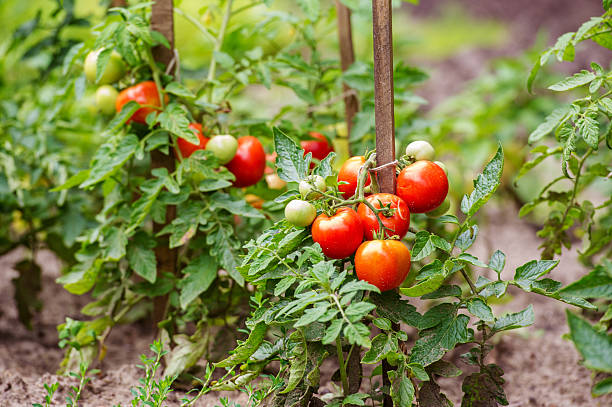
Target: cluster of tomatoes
(244, 157)
(381, 219)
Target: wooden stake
(347, 57)
(162, 20)
(384, 116)
(118, 3)
(383, 93)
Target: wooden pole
(347, 57)
(384, 117)
(162, 20)
(118, 3)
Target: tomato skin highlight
(383, 263)
(338, 235)
(144, 93)
(398, 222)
(186, 148)
(349, 172)
(319, 148)
(423, 185)
(249, 163)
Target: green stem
(343, 377)
(218, 45)
(205, 31)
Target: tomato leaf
(242, 353)
(594, 346)
(200, 275)
(291, 164)
(485, 185)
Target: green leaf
(529, 272)
(603, 387)
(298, 361)
(485, 185)
(550, 123)
(115, 242)
(244, 351)
(311, 8)
(141, 257)
(467, 238)
(589, 127)
(179, 89)
(382, 345)
(291, 164)
(390, 305)
(126, 112)
(516, 320)
(497, 262)
(402, 392)
(223, 201)
(468, 258)
(425, 243)
(436, 275)
(73, 181)
(332, 331)
(109, 158)
(444, 291)
(324, 168)
(201, 273)
(578, 79)
(480, 309)
(436, 341)
(185, 353)
(596, 284)
(175, 120)
(208, 185)
(595, 347)
(355, 399)
(359, 309)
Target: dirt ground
(541, 368)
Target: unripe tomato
(307, 187)
(106, 96)
(319, 147)
(224, 147)
(398, 222)
(423, 185)
(338, 235)
(420, 150)
(383, 263)
(249, 163)
(442, 165)
(188, 148)
(114, 70)
(349, 173)
(440, 210)
(300, 213)
(145, 94)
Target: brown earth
(541, 368)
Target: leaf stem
(218, 44)
(343, 377)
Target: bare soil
(541, 368)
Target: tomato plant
(347, 176)
(186, 148)
(145, 94)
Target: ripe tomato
(300, 213)
(114, 70)
(398, 222)
(145, 93)
(188, 148)
(106, 96)
(338, 235)
(249, 163)
(224, 147)
(319, 147)
(423, 185)
(349, 173)
(420, 150)
(383, 263)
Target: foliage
(582, 207)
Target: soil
(541, 369)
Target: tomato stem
(218, 44)
(343, 377)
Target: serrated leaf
(466, 239)
(200, 274)
(324, 168)
(291, 164)
(529, 272)
(141, 257)
(480, 309)
(382, 345)
(175, 120)
(578, 79)
(469, 258)
(519, 319)
(298, 361)
(550, 123)
(497, 262)
(436, 275)
(402, 392)
(109, 158)
(485, 185)
(178, 89)
(595, 347)
(602, 387)
(435, 342)
(596, 284)
(242, 353)
(588, 127)
(223, 201)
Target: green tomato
(307, 187)
(440, 210)
(442, 165)
(224, 147)
(115, 69)
(420, 150)
(106, 96)
(300, 213)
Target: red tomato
(249, 163)
(338, 235)
(383, 263)
(398, 222)
(349, 173)
(319, 147)
(423, 185)
(145, 93)
(188, 148)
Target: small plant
(74, 394)
(152, 392)
(50, 389)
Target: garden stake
(383, 114)
(162, 20)
(347, 57)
